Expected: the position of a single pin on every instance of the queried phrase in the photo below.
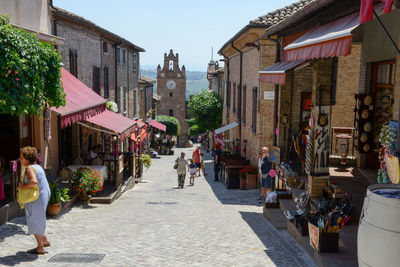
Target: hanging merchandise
(363, 122)
(387, 136)
(392, 167)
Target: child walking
(192, 171)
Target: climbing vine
(30, 72)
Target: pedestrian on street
(203, 169)
(181, 170)
(266, 166)
(192, 171)
(35, 212)
(260, 161)
(217, 161)
(196, 158)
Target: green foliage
(30, 72)
(57, 194)
(146, 160)
(191, 122)
(206, 108)
(172, 123)
(195, 130)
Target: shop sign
(269, 95)
(314, 235)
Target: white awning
(226, 127)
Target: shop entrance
(382, 90)
(9, 147)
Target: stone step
(275, 217)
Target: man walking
(196, 159)
(266, 181)
(217, 161)
(183, 166)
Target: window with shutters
(134, 102)
(234, 98)
(238, 102)
(134, 62)
(106, 95)
(171, 113)
(96, 80)
(105, 48)
(170, 94)
(118, 98)
(124, 56)
(125, 96)
(244, 105)
(117, 54)
(254, 111)
(73, 62)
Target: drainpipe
(276, 98)
(239, 97)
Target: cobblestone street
(156, 224)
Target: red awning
(142, 133)
(140, 123)
(81, 101)
(115, 122)
(158, 125)
(330, 40)
(277, 73)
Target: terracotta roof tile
(279, 15)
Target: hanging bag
(176, 164)
(27, 195)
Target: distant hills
(195, 80)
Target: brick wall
(88, 46)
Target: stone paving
(156, 224)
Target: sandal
(46, 245)
(35, 251)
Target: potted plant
(56, 196)
(88, 182)
(251, 178)
(146, 160)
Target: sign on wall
(269, 95)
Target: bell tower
(171, 86)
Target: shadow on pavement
(278, 247)
(228, 196)
(19, 257)
(8, 230)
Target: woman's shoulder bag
(27, 195)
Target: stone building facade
(171, 86)
(248, 101)
(145, 99)
(102, 60)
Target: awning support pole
(387, 33)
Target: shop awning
(226, 127)
(277, 73)
(330, 40)
(158, 125)
(115, 122)
(142, 133)
(81, 101)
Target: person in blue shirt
(266, 181)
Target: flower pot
(242, 183)
(251, 180)
(83, 196)
(53, 209)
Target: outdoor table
(102, 169)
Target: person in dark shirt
(217, 161)
(266, 181)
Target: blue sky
(188, 27)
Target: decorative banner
(314, 235)
(275, 155)
(320, 166)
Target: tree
(172, 123)
(206, 108)
(30, 72)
